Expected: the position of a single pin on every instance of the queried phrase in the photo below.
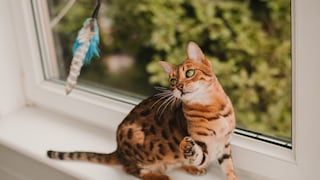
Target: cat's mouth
(182, 93)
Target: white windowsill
(27, 134)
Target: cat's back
(152, 130)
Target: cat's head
(192, 80)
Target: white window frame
(250, 155)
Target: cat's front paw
(187, 147)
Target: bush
(248, 42)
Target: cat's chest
(215, 149)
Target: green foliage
(248, 42)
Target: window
(283, 163)
(248, 42)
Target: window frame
(282, 163)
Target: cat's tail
(100, 158)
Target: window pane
(248, 42)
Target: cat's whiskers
(162, 105)
(162, 96)
(165, 104)
(167, 98)
(164, 92)
(176, 102)
(159, 88)
(172, 103)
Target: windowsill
(30, 132)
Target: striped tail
(100, 158)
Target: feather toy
(84, 49)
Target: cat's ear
(167, 66)
(194, 52)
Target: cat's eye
(190, 73)
(173, 81)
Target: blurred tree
(248, 42)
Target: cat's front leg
(225, 160)
(195, 155)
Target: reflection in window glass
(248, 42)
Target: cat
(186, 126)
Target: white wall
(11, 89)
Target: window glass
(248, 42)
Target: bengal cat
(185, 127)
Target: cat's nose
(180, 86)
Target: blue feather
(93, 50)
(76, 45)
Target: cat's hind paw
(194, 171)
